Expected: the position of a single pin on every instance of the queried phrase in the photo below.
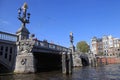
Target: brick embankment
(108, 60)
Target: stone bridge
(23, 53)
(83, 59)
(34, 56)
(31, 55)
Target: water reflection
(108, 72)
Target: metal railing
(51, 46)
(8, 36)
(43, 44)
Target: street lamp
(71, 38)
(22, 14)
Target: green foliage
(100, 54)
(82, 46)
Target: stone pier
(25, 63)
(66, 63)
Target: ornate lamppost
(71, 38)
(22, 17)
(71, 42)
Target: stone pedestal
(25, 63)
(72, 47)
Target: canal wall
(108, 60)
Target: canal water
(106, 72)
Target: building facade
(107, 46)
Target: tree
(82, 46)
(100, 54)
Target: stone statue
(26, 46)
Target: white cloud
(3, 22)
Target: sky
(53, 20)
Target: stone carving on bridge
(25, 46)
(23, 61)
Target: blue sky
(53, 20)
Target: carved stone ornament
(25, 46)
(23, 61)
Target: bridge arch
(84, 59)
(47, 61)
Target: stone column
(72, 54)
(69, 56)
(64, 70)
(66, 63)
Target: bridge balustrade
(8, 36)
(51, 46)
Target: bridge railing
(8, 36)
(45, 44)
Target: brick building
(107, 45)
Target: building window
(114, 54)
(110, 54)
(1, 50)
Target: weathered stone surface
(24, 63)
(25, 58)
(76, 59)
(25, 46)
